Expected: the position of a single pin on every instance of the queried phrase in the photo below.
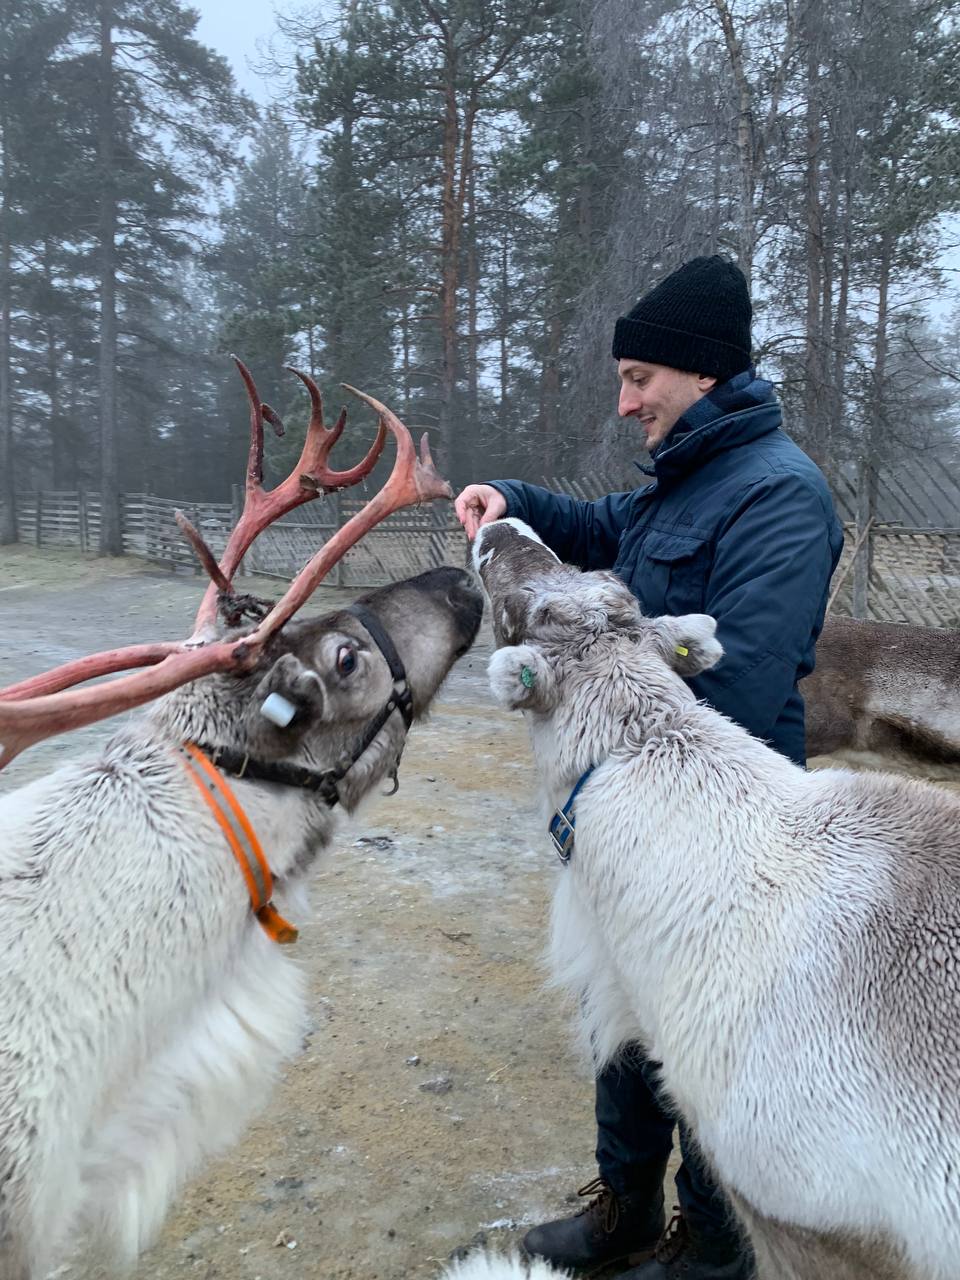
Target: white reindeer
(786, 943)
(146, 1003)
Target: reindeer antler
(39, 708)
(309, 478)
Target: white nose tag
(278, 709)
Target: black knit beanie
(697, 319)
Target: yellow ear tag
(683, 651)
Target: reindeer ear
(521, 679)
(688, 644)
(510, 617)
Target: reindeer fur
(491, 1266)
(145, 1011)
(786, 943)
(886, 689)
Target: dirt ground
(436, 1101)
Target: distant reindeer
(146, 1003)
(786, 943)
(886, 689)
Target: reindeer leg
(787, 1252)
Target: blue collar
(734, 413)
(563, 823)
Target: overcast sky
(233, 28)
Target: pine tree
(166, 111)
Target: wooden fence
(404, 544)
(901, 556)
(895, 567)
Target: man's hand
(479, 504)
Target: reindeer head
(331, 679)
(575, 648)
(46, 704)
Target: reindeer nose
(465, 599)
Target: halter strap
(241, 838)
(563, 825)
(325, 781)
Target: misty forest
(448, 204)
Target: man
(738, 523)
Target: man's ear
(688, 643)
(521, 679)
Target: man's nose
(629, 401)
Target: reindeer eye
(346, 660)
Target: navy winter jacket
(738, 523)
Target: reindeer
(144, 889)
(890, 690)
(786, 943)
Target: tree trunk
(585, 189)
(449, 258)
(473, 308)
(878, 411)
(813, 217)
(868, 472)
(8, 491)
(504, 324)
(62, 473)
(840, 325)
(549, 420)
(111, 538)
(746, 142)
(406, 337)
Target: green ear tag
(527, 677)
(683, 651)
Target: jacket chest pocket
(671, 573)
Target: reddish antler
(308, 479)
(39, 708)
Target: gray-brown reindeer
(143, 889)
(786, 943)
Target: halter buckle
(562, 832)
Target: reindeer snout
(466, 599)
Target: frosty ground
(436, 1100)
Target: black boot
(610, 1228)
(683, 1254)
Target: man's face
(658, 396)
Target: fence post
(82, 517)
(863, 554)
(38, 538)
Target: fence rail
(906, 569)
(895, 567)
(405, 543)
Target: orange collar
(241, 838)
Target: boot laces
(604, 1204)
(674, 1241)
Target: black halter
(325, 781)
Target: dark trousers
(634, 1131)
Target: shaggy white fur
(145, 1011)
(490, 1266)
(786, 943)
